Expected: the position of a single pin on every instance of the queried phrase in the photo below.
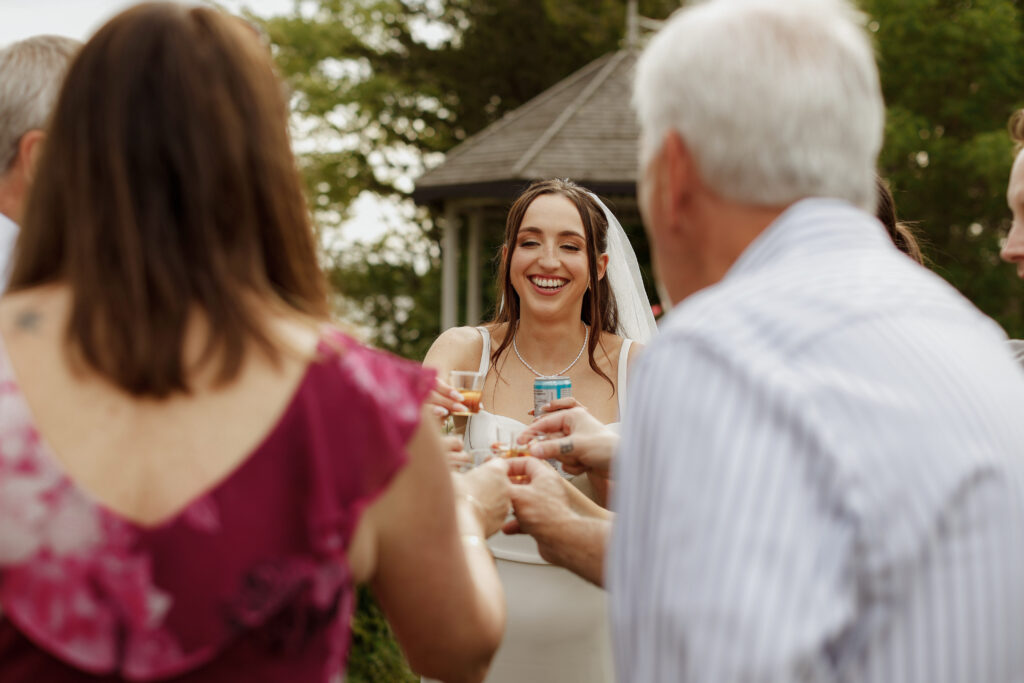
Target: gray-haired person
(31, 73)
(820, 475)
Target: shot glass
(471, 386)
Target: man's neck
(727, 229)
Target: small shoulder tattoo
(28, 320)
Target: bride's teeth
(549, 284)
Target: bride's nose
(549, 258)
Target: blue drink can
(547, 389)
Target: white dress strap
(620, 387)
(485, 356)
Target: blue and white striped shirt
(821, 475)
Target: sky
(80, 18)
(21, 19)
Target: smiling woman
(558, 316)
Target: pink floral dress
(248, 583)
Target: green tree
(382, 87)
(952, 73)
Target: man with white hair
(31, 73)
(820, 476)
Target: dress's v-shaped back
(249, 581)
(15, 401)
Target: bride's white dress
(557, 627)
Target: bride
(573, 305)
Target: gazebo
(581, 128)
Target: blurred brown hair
(901, 234)
(1016, 127)
(168, 187)
(599, 309)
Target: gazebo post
(476, 226)
(449, 267)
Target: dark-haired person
(899, 232)
(31, 71)
(196, 468)
(568, 311)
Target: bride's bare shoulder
(454, 349)
(612, 344)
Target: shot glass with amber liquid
(471, 386)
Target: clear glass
(471, 386)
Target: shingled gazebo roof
(582, 128)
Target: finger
(574, 469)
(561, 404)
(452, 444)
(461, 457)
(445, 389)
(446, 402)
(512, 527)
(524, 467)
(563, 449)
(560, 421)
(500, 465)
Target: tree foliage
(952, 73)
(381, 87)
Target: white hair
(777, 100)
(31, 73)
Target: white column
(449, 267)
(476, 226)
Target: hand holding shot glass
(450, 399)
(470, 385)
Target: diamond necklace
(586, 337)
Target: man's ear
(681, 172)
(30, 149)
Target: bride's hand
(556, 405)
(445, 399)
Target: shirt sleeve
(729, 558)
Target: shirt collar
(8, 234)
(803, 225)
(7, 226)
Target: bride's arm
(458, 348)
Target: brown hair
(598, 304)
(167, 186)
(1016, 127)
(901, 234)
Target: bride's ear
(602, 265)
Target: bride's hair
(599, 311)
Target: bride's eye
(570, 247)
(528, 243)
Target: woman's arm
(430, 568)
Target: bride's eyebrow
(563, 233)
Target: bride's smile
(549, 265)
